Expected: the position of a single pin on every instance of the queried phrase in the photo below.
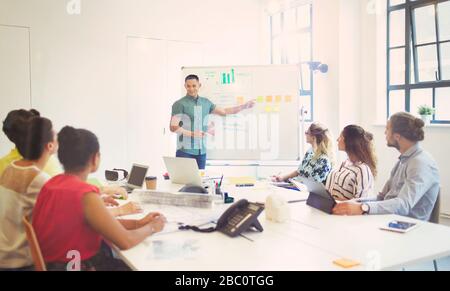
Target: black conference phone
(240, 217)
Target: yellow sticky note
(345, 263)
(278, 99)
(242, 180)
(269, 99)
(276, 109)
(268, 109)
(260, 99)
(288, 99)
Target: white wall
(326, 50)
(15, 90)
(349, 62)
(79, 63)
(337, 42)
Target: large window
(418, 53)
(291, 43)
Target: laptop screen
(137, 175)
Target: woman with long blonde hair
(318, 160)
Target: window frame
(411, 55)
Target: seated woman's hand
(115, 191)
(158, 224)
(130, 208)
(109, 201)
(155, 220)
(277, 179)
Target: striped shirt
(350, 181)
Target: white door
(15, 89)
(147, 103)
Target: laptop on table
(183, 171)
(136, 178)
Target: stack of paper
(176, 199)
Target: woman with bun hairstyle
(20, 184)
(355, 177)
(13, 128)
(70, 215)
(413, 186)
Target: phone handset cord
(197, 229)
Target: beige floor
(445, 221)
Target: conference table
(308, 240)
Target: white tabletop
(310, 240)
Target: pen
(245, 185)
(297, 201)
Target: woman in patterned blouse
(317, 162)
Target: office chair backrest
(36, 254)
(435, 214)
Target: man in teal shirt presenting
(188, 121)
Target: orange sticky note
(278, 99)
(288, 99)
(240, 100)
(346, 264)
(269, 99)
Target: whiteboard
(267, 132)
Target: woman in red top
(70, 218)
